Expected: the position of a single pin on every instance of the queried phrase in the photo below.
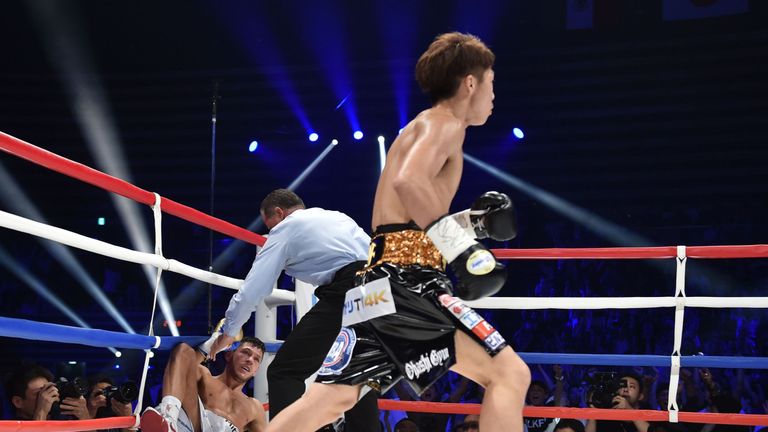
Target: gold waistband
(407, 247)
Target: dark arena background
(615, 123)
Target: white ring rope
(528, 303)
(18, 223)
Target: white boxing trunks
(209, 421)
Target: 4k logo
(371, 299)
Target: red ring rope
(97, 178)
(739, 251)
(581, 413)
(432, 407)
(66, 425)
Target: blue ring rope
(26, 329)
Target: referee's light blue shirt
(310, 244)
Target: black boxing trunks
(399, 322)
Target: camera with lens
(71, 389)
(68, 389)
(604, 386)
(123, 393)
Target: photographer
(34, 396)
(624, 393)
(105, 399)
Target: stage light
(380, 139)
(358, 135)
(101, 221)
(335, 142)
(518, 133)
(254, 145)
(118, 354)
(313, 137)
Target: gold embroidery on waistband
(407, 247)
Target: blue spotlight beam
(320, 18)
(64, 46)
(399, 28)
(342, 101)
(602, 227)
(257, 38)
(617, 234)
(297, 182)
(16, 268)
(14, 196)
(191, 292)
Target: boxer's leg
(505, 377)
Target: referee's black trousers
(304, 350)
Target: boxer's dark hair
(450, 58)
(255, 342)
(19, 379)
(283, 198)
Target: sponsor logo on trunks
(495, 340)
(368, 301)
(483, 329)
(447, 300)
(340, 353)
(481, 262)
(464, 313)
(471, 318)
(415, 368)
(452, 304)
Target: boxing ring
(266, 319)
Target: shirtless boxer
(428, 330)
(196, 401)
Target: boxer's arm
(414, 183)
(259, 422)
